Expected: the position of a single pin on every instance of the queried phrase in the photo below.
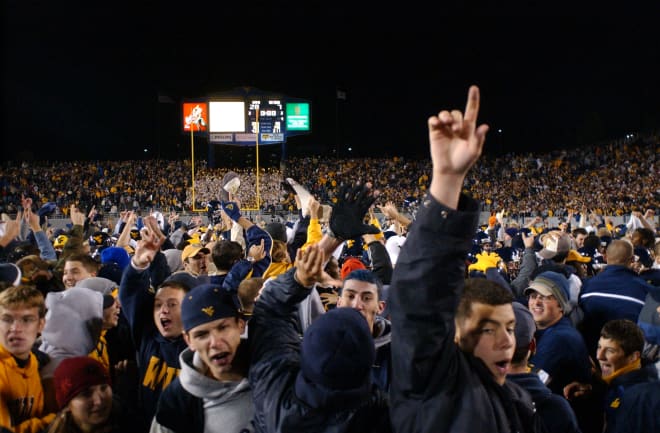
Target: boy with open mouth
(212, 387)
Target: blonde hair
(279, 251)
(248, 290)
(23, 296)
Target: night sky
(84, 82)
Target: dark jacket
(651, 276)
(640, 412)
(435, 386)
(561, 352)
(157, 357)
(381, 264)
(556, 412)
(175, 401)
(204, 401)
(381, 372)
(618, 392)
(528, 266)
(617, 292)
(284, 400)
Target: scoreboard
(246, 119)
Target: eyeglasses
(25, 320)
(537, 296)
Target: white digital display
(226, 116)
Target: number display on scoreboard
(265, 116)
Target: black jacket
(435, 386)
(284, 401)
(556, 412)
(624, 388)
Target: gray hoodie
(228, 406)
(73, 325)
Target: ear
(634, 356)
(381, 307)
(42, 323)
(457, 331)
(532, 346)
(186, 338)
(241, 325)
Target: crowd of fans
(337, 320)
(612, 179)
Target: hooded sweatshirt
(104, 286)
(226, 406)
(381, 371)
(73, 325)
(21, 395)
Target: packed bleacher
(611, 179)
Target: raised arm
(276, 338)
(254, 235)
(389, 210)
(12, 228)
(46, 250)
(527, 266)
(314, 232)
(125, 235)
(134, 294)
(76, 234)
(428, 278)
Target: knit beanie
(338, 350)
(552, 283)
(76, 374)
(351, 264)
(525, 326)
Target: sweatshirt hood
(73, 322)
(382, 332)
(194, 380)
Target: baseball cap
(193, 250)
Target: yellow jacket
(277, 268)
(21, 395)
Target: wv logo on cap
(208, 311)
